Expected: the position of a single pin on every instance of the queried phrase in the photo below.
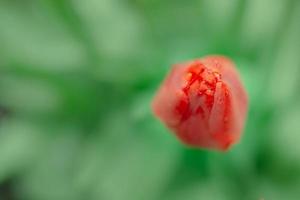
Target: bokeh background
(76, 82)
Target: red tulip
(203, 102)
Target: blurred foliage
(76, 82)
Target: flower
(203, 102)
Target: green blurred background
(76, 82)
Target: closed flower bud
(203, 102)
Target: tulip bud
(203, 102)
